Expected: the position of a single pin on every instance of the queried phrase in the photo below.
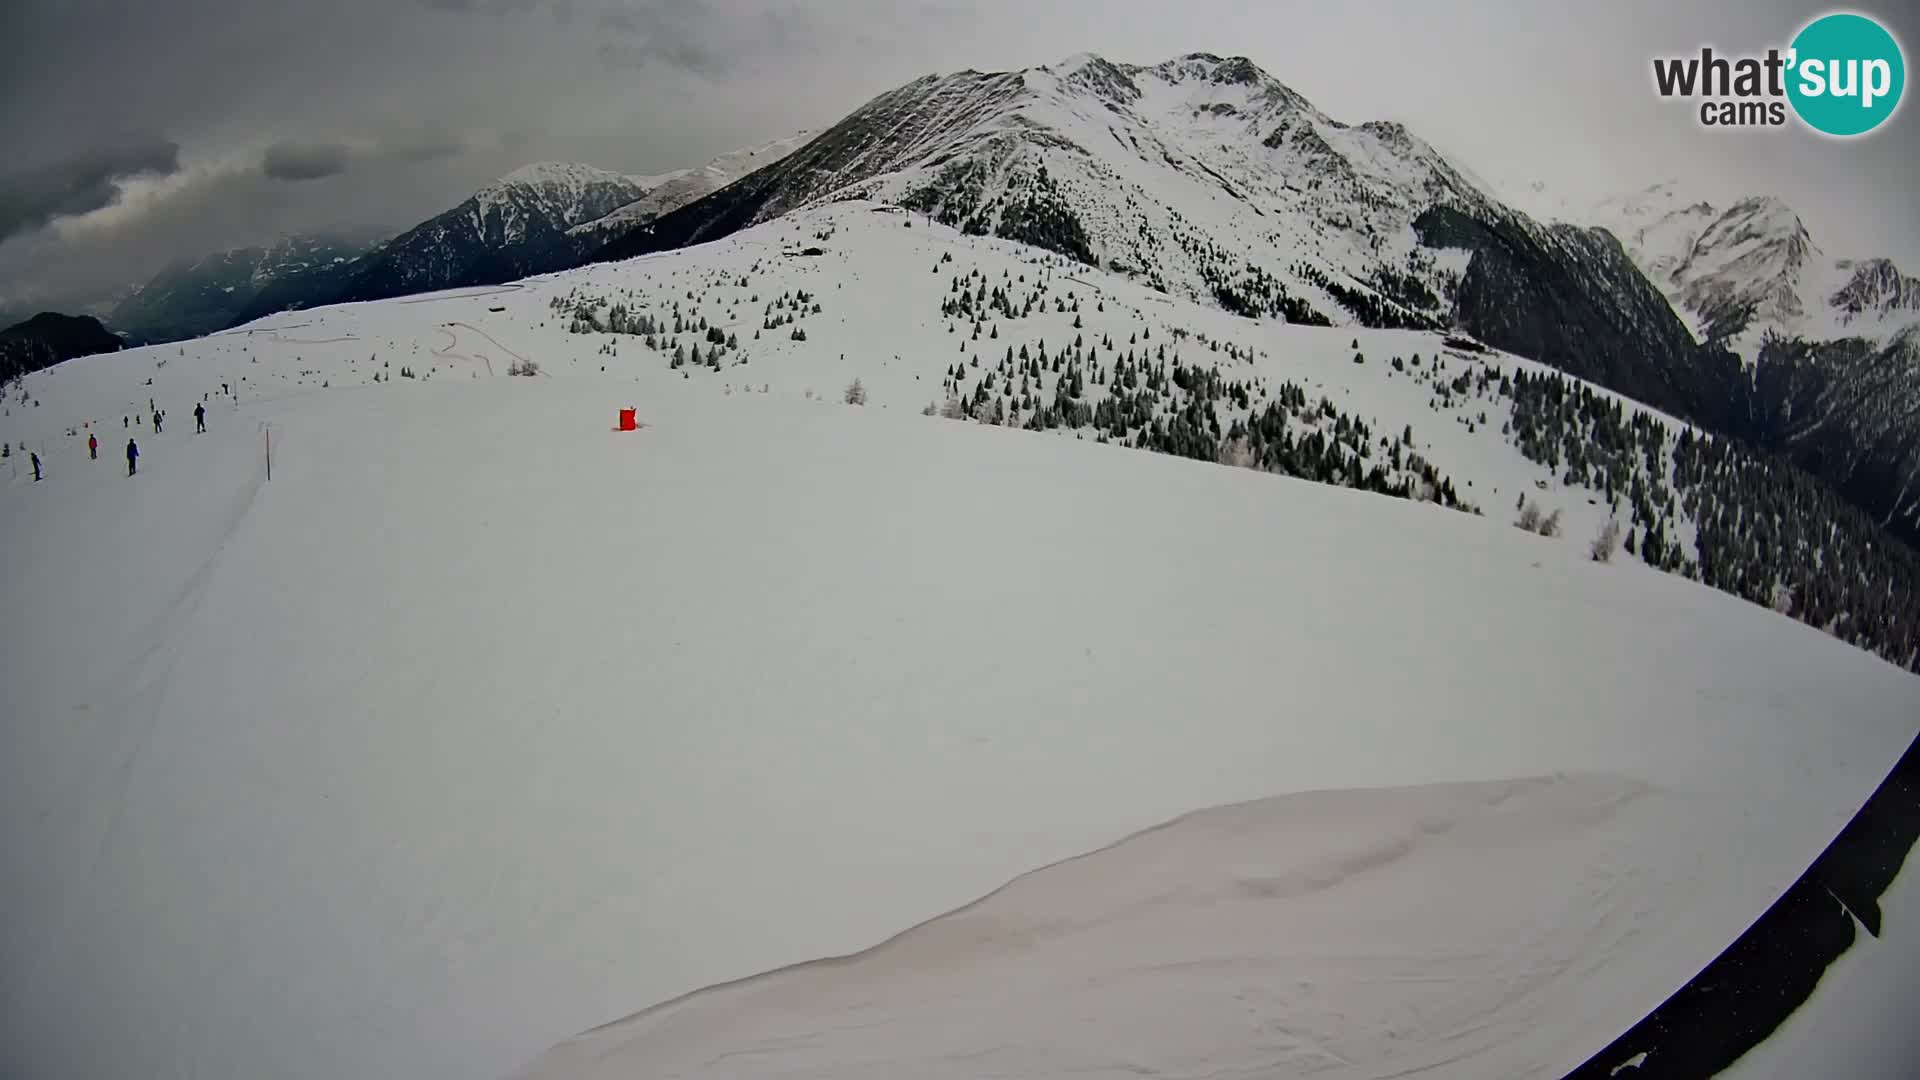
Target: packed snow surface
(1272, 938)
(481, 724)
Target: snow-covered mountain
(672, 191)
(380, 719)
(198, 296)
(1202, 176)
(1206, 178)
(51, 338)
(1742, 272)
(22, 304)
(1833, 343)
(542, 217)
(509, 229)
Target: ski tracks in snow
(138, 690)
(453, 342)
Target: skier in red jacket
(93, 448)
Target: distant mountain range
(512, 228)
(1742, 272)
(50, 338)
(539, 219)
(1830, 347)
(542, 217)
(199, 296)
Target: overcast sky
(138, 131)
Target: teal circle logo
(1846, 74)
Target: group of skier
(133, 448)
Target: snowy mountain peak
(552, 172)
(513, 227)
(1234, 78)
(1202, 174)
(1740, 272)
(1875, 287)
(1077, 62)
(1098, 76)
(1769, 215)
(1745, 266)
(571, 188)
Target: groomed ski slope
(481, 725)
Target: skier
(93, 448)
(133, 456)
(156, 422)
(36, 468)
(200, 416)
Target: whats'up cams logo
(1842, 75)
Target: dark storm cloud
(304, 161)
(78, 184)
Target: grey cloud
(304, 161)
(790, 28)
(491, 7)
(677, 33)
(687, 55)
(217, 210)
(426, 145)
(78, 184)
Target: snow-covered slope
(1026, 338)
(1266, 939)
(671, 191)
(480, 724)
